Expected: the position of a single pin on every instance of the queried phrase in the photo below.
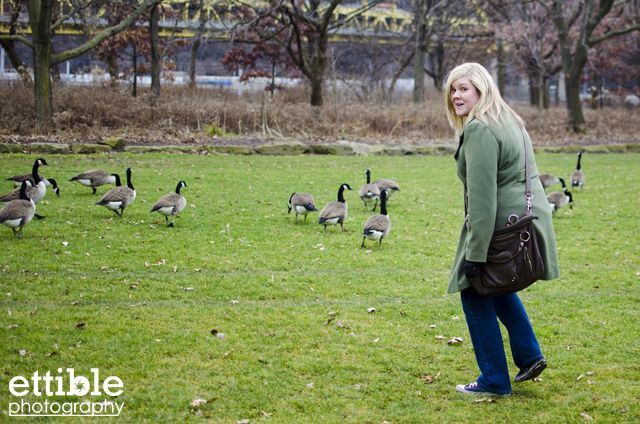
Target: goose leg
(375, 206)
(173, 216)
(297, 218)
(15, 233)
(380, 242)
(342, 227)
(116, 211)
(325, 229)
(305, 219)
(363, 238)
(365, 204)
(94, 190)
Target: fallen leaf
(455, 340)
(331, 313)
(537, 380)
(455, 317)
(158, 340)
(266, 414)
(186, 288)
(233, 302)
(220, 336)
(80, 325)
(432, 326)
(270, 335)
(242, 421)
(580, 376)
(339, 324)
(22, 352)
(371, 310)
(439, 337)
(228, 353)
(624, 410)
(12, 326)
(9, 294)
(376, 340)
(310, 385)
(75, 303)
(214, 331)
(586, 417)
(52, 354)
(9, 312)
(197, 402)
(590, 372)
(65, 243)
(175, 269)
(328, 321)
(357, 386)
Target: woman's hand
(472, 269)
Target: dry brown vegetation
(89, 113)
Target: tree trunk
(155, 53)
(418, 75)
(112, 67)
(437, 66)
(42, 86)
(192, 65)
(197, 42)
(502, 67)
(10, 48)
(399, 70)
(135, 71)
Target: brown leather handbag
(514, 261)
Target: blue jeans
(481, 313)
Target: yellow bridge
(383, 22)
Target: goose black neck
(383, 202)
(23, 191)
(291, 198)
(341, 194)
(579, 158)
(129, 179)
(36, 177)
(568, 194)
(563, 183)
(178, 187)
(368, 176)
(117, 177)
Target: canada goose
(548, 180)
(369, 193)
(558, 199)
(18, 179)
(377, 227)
(94, 178)
(302, 203)
(335, 212)
(387, 184)
(119, 197)
(577, 177)
(18, 213)
(171, 204)
(36, 190)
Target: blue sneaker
(474, 389)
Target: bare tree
(40, 19)
(307, 27)
(589, 17)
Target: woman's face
(464, 96)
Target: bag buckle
(528, 197)
(510, 222)
(528, 236)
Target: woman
(490, 163)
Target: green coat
(490, 161)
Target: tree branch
(593, 41)
(106, 33)
(20, 38)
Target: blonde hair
(490, 109)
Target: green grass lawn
(292, 302)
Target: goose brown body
(378, 226)
(119, 197)
(369, 193)
(335, 212)
(171, 204)
(94, 178)
(18, 213)
(302, 203)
